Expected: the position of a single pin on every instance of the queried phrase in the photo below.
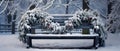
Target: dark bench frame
(29, 38)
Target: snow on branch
(48, 5)
(5, 7)
(1, 2)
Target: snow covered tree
(113, 21)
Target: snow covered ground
(10, 42)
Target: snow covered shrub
(83, 16)
(32, 18)
(38, 17)
(35, 17)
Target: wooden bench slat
(62, 35)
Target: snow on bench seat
(63, 36)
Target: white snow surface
(10, 42)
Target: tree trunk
(85, 5)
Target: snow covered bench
(98, 37)
(95, 37)
(75, 34)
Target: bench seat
(62, 36)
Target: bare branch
(5, 7)
(1, 2)
(48, 5)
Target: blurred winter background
(12, 10)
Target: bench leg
(101, 42)
(29, 42)
(96, 44)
